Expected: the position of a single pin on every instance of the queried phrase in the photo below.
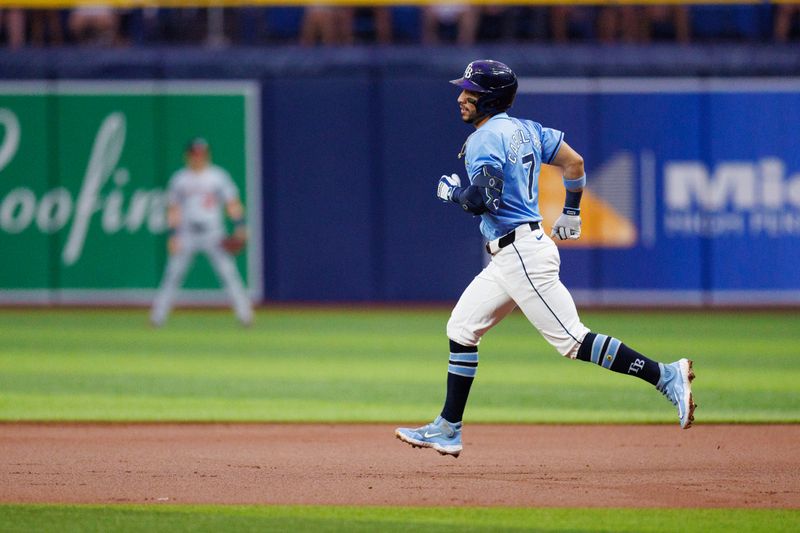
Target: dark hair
(197, 143)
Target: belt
(198, 227)
(492, 247)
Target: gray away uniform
(201, 198)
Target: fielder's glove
(447, 184)
(234, 244)
(567, 227)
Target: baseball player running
(197, 194)
(503, 159)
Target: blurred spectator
(94, 25)
(12, 21)
(785, 14)
(46, 27)
(506, 24)
(570, 23)
(528, 23)
(373, 24)
(283, 24)
(494, 23)
(183, 25)
(461, 24)
(731, 23)
(451, 23)
(215, 34)
(327, 25)
(406, 22)
(666, 23)
(619, 23)
(148, 26)
(643, 24)
(337, 25)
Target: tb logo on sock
(637, 365)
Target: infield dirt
(527, 466)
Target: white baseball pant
(223, 264)
(525, 274)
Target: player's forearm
(235, 210)
(470, 199)
(173, 217)
(571, 164)
(574, 175)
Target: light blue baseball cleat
(676, 384)
(441, 435)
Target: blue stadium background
(355, 137)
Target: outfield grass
(377, 365)
(370, 365)
(67, 519)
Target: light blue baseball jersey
(517, 148)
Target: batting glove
(567, 227)
(447, 184)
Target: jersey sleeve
(551, 142)
(174, 195)
(484, 148)
(228, 189)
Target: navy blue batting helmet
(494, 81)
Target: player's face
(197, 159)
(467, 101)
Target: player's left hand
(447, 185)
(567, 227)
(234, 243)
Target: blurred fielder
(197, 195)
(503, 158)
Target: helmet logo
(468, 72)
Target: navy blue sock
(611, 353)
(460, 375)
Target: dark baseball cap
(197, 144)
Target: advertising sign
(693, 187)
(83, 171)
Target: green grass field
(374, 365)
(124, 518)
(379, 366)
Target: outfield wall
(694, 182)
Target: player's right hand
(173, 244)
(447, 184)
